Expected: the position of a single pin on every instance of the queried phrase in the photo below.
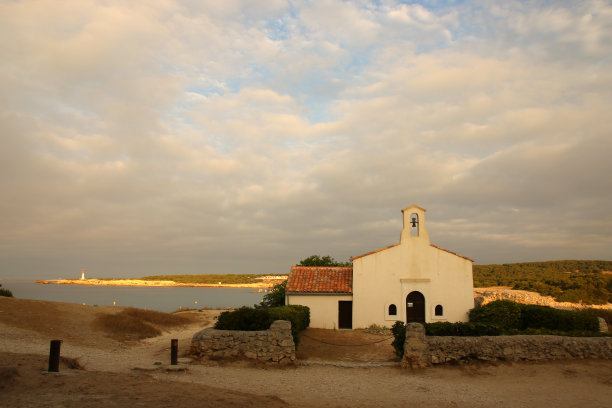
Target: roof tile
(320, 279)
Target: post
(54, 356)
(174, 352)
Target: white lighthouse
(83, 274)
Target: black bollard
(54, 356)
(174, 352)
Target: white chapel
(412, 280)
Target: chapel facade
(412, 280)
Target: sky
(187, 137)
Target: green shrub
(501, 313)
(399, 337)
(245, 318)
(252, 319)
(516, 318)
(6, 292)
(544, 317)
(605, 314)
(461, 329)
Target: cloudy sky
(147, 137)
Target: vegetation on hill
(210, 279)
(588, 282)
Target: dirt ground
(338, 369)
(320, 345)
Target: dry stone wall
(420, 350)
(516, 348)
(274, 345)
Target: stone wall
(274, 345)
(421, 351)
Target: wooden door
(415, 307)
(345, 314)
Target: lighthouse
(83, 274)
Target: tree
(316, 260)
(276, 296)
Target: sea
(162, 299)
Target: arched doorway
(415, 307)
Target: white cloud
(237, 137)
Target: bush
(245, 318)
(605, 314)
(501, 313)
(516, 318)
(399, 337)
(252, 319)
(299, 316)
(544, 317)
(461, 329)
(6, 292)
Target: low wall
(274, 345)
(421, 351)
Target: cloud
(227, 137)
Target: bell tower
(414, 224)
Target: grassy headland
(567, 281)
(213, 279)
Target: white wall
(323, 308)
(388, 276)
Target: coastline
(153, 283)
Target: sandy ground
(339, 369)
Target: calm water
(160, 299)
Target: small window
(392, 310)
(439, 310)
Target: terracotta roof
(391, 246)
(320, 279)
